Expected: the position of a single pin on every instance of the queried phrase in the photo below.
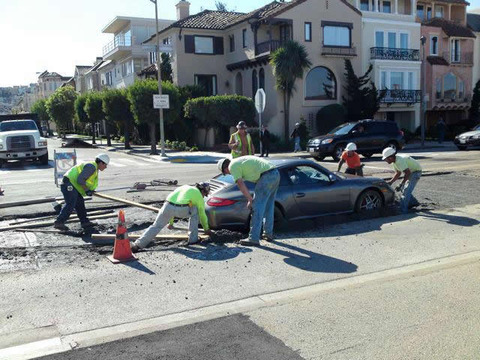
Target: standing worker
(241, 142)
(412, 173)
(296, 137)
(350, 156)
(81, 180)
(441, 127)
(185, 202)
(265, 139)
(267, 179)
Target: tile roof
(149, 70)
(473, 22)
(450, 28)
(437, 60)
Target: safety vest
(238, 151)
(92, 181)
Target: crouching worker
(350, 156)
(80, 181)
(412, 173)
(267, 179)
(185, 202)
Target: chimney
(183, 9)
(97, 60)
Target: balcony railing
(118, 41)
(383, 53)
(342, 51)
(268, 46)
(401, 96)
(464, 58)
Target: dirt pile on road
(226, 236)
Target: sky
(56, 35)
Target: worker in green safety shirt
(241, 142)
(185, 202)
(81, 180)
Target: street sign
(161, 102)
(260, 99)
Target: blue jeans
(407, 195)
(297, 144)
(263, 206)
(73, 200)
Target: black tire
(280, 222)
(461, 147)
(393, 145)
(337, 151)
(319, 158)
(367, 155)
(369, 200)
(44, 159)
(2, 163)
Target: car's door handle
(299, 195)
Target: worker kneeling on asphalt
(81, 180)
(185, 202)
(267, 179)
(350, 156)
(412, 173)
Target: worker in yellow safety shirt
(241, 142)
(81, 180)
(185, 202)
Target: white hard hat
(297, 124)
(220, 164)
(387, 152)
(351, 147)
(103, 158)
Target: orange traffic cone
(121, 249)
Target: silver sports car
(306, 190)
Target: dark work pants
(73, 200)
(265, 149)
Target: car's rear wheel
(337, 152)
(393, 145)
(367, 155)
(2, 163)
(369, 200)
(280, 222)
(461, 147)
(319, 158)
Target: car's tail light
(216, 201)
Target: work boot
(87, 224)
(249, 242)
(134, 248)
(268, 238)
(60, 226)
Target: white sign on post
(161, 102)
(260, 98)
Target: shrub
(329, 117)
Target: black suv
(370, 136)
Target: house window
(364, 5)
(386, 7)
(320, 84)
(108, 78)
(449, 86)
(383, 80)
(231, 40)
(403, 41)
(254, 83)
(244, 38)
(438, 88)
(434, 45)
(429, 12)
(396, 80)
(392, 40)
(285, 33)
(208, 82)
(379, 39)
(421, 11)
(167, 41)
(153, 57)
(410, 81)
(461, 89)
(336, 36)
(308, 31)
(455, 50)
(439, 11)
(261, 79)
(239, 84)
(203, 45)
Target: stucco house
(473, 22)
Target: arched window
(461, 89)
(320, 84)
(239, 84)
(261, 79)
(254, 82)
(449, 86)
(438, 88)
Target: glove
(89, 192)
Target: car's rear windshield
(476, 127)
(18, 125)
(225, 178)
(342, 129)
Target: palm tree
(288, 62)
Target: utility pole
(424, 92)
(159, 76)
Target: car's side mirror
(332, 178)
(354, 132)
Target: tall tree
(116, 108)
(221, 6)
(362, 99)
(60, 108)
(289, 63)
(475, 105)
(79, 105)
(93, 108)
(40, 109)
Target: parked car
(469, 138)
(370, 136)
(307, 190)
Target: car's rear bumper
(236, 215)
(467, 142)
(320, 150)
(23, 155)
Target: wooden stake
(98, 212)
(128, 202)
(134, 237)
(33, 201)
